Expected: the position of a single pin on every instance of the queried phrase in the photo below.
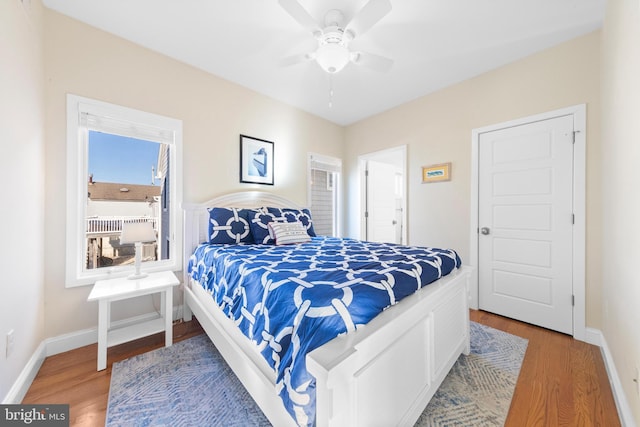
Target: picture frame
(256, 160)
(436, 173)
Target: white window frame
(329, 164)
(143, 125)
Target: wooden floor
(562, 382)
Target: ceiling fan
(334, 37)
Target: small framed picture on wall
(436, 173)
(256, 160)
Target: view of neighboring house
(109, 205)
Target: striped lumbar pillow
(289, 232)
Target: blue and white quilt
(289, 300)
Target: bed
(382, 372)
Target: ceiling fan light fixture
(334, 35)
(332, 57)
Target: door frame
(579, 113)
(362, 166)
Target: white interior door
(381, 202)
(525, 222)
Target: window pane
(126, 182)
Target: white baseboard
(78, 339)
(60, 344)
(70, 341)
(595, 337)
(22, 384)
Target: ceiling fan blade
(299, 13)
(296, 59)
(368, 16)
(372, 61)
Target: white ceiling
(434, 43)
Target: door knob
(485, 230)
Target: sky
(114, 158)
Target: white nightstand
(107, 291)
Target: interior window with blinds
(123, 165)
(324, 178)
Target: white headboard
(196, 215)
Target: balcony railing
(104, 225)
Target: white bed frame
(381, 375)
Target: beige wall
(437, 128)
(88, 62)
(22, 177)
(620, 153)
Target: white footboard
(386, 374)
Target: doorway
(383, 196)
(528, 219)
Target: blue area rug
(189, 384)
(478, 389)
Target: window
(324, 179)
(123, 165)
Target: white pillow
(286, 233)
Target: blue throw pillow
(259, 220)
(294, 215)
(229, 225)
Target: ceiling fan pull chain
(330, 90)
